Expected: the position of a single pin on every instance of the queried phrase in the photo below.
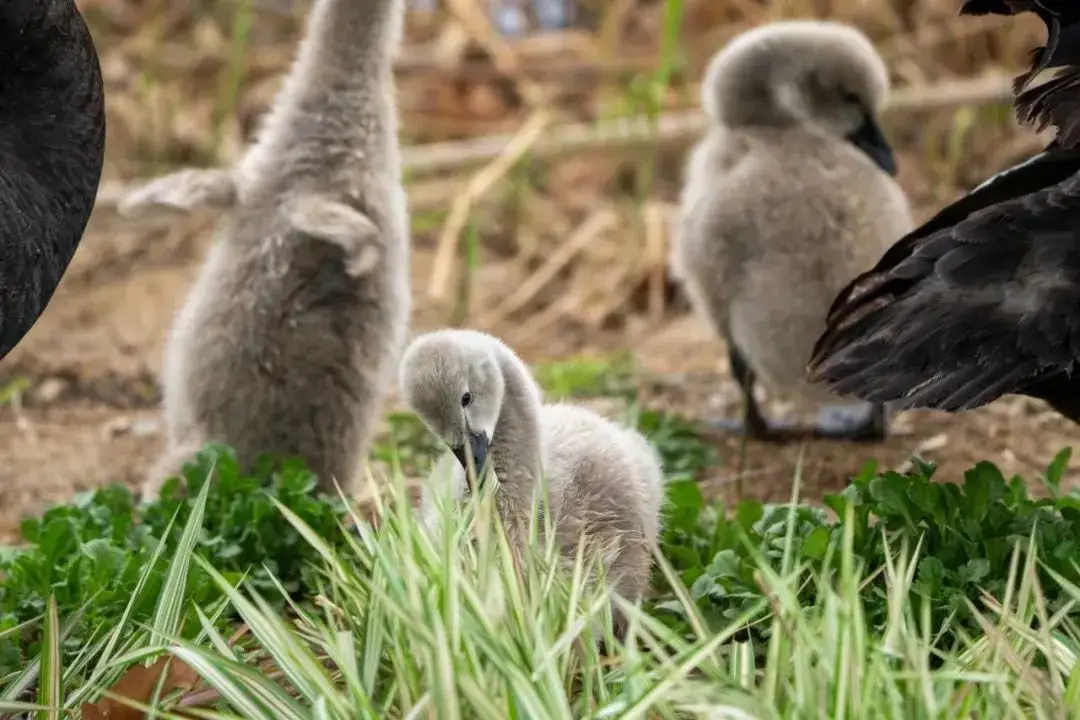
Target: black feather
(963, 315)
(983, 300)
(52, 146)
(1033, 175)
(1061, 391)
(1055, 102)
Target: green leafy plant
(965, 535)
(682, 449)
(94, 551)
(242, 531)
(587, 377)
(407, 442)
(67, 677)
(401, 621)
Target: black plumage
(52, 147)
(982, 300)
(1057, 101)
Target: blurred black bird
(983, 300)
(52, 147)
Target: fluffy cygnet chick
(291, 333)
(605, 481)
(786, 199)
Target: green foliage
(896, 571)
(965, 535)
(587, 377)
(242, 531)
(14, 390)
(445, 626)
(93, 551)
(407, 443)
(683, 451)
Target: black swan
(52, 148)
(983, 300)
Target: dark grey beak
(478, 446)
(871, 141)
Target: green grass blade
(15, 687)
(293, 656)
(166, 621)
(242, 685)
(50, 683)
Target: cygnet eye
(466, 399)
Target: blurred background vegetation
(188, 81)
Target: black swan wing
(969, 313)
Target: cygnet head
(801, 72)
(453, 381)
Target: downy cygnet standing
(605, 482)
(786, 199)
(290, 335)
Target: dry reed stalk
(612, 293)
(473, 17)
(587, 232)
(925, 40)
(542, 47)
(654, 217)
(543, 320)
(612, 25)
(564, 70)
(478, 186)
(634, 131)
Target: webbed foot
(864, 422)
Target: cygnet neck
(340, 86)
(348, 41)
(515, 449)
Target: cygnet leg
(863, 422)
(754, 425)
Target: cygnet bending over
(605, 481)
(290, 335)
(787, 198)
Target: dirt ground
(89, 414)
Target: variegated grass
(412, 625)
